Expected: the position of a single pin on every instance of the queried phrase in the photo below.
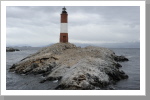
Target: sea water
(131, 68)
(32, 82)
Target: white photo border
(140, 92)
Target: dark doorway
(64, 39)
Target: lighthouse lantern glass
(64, 9)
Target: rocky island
(74, 67)
(9, 49)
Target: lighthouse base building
(64, 26)
(64, 37)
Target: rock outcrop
(74, 67)
(9, 49)
(120, 58)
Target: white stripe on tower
(64, 28)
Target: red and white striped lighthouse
(64, 26)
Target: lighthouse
(64, 26)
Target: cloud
(39, 26)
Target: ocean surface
(32, 82)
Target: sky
(40, 25)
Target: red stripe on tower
(64, 26)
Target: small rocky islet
(74, 67)
(10, 49)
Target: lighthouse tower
(64, 26)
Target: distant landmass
(112, 45)
(107, 45)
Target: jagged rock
(8, 49)
(74, 67)
(120, 58)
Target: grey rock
(120, 58)
(9, 49)
(74, 67)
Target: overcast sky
(40, 26)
